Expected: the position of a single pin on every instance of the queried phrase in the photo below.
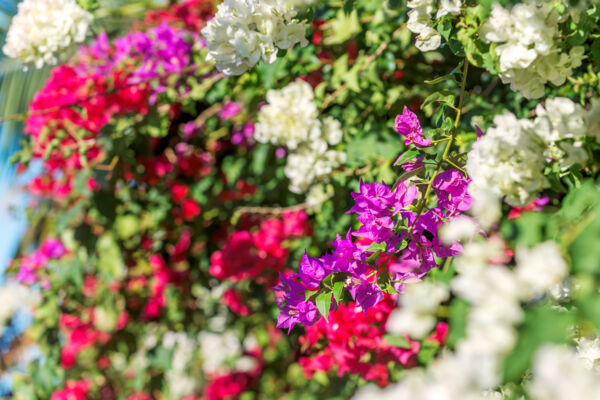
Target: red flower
(229, 386)
(192, 14)
(179, 192)
(233, 300)
(191, 209)
(79, 335)
(74, 390)
(350, 335)
(441, 333)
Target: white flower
(244, 31)
(560, 118)
(588, 351)
(217, 348)
(332, 130)
(416, 316)
(14, 297)
(310, 162)
(43, 30)
(420, 23)
(290, 117)
(318, 195)
(474, 369)
(179, 377)
(508, 162)
(459, 228)
(558, 374)
(540, 269)
(449, 7)
(529, 56)
(428, 39)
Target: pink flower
(233, 300)
(441, 333)
(536, 205)
(179, 192)
(79, 335)
(296, 223)
(229, 110)
(191, 209)
(53, 248)
(349, 337)
(74, 390)
(408, 125)
(229, 386)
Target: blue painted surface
(13, 219)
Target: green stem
(461, 99)
(457, 167)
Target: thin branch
(366, 63)
(270, 210)
(459, 108)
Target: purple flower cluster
(408, 125)
(51, 249)
(451, 189)
(162, 50)
(407, 247)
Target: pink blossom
(229, 110)
(408, 125)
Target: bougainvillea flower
(408, 125)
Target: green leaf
(542, 325)
(348, 6)
(394, 4)
(110, 263)
(89, 5)
(374, 247)
(407, 156)
(427, 352)
(397, 341)
(445, 97)
(338, 289)
(439, 79)
(445, 28)
(385, 282)
(323, 302)
(127, 226)
(595, 51)
(459, 310)
(344, 26)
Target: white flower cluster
(244, 31)
(181, 381)
(559, 374)
(509, 160)
(318, 195)
(420, 20)
(14, 297)
(418, 305)
(291, 119)
(229, 350)
(494, 294)
(540, 268)
(228, 346)
(588, 350)
(526, 46)
(43, 30)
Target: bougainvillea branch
(302, 186)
